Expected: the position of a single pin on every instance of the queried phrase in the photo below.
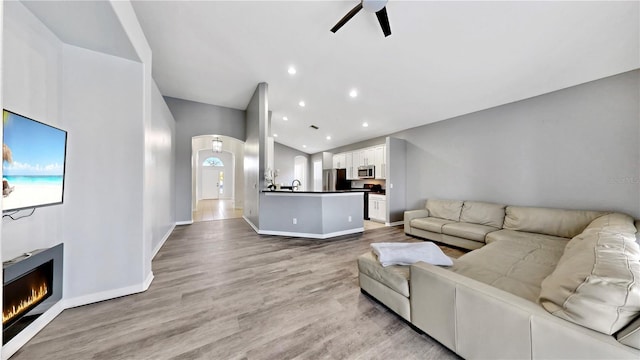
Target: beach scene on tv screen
(33, 163)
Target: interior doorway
(300, 171)
(217, 178)
(317, 176)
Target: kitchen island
(311, 214)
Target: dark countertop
(322, 192)
(311, 192)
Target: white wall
(98, 99)
(1, 107)
(160, 165)
(119, 188)
(31, 87)
(103, 223)
(574, 148)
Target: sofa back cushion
(445, 209)
(614, 222)
(595, 283)
(555, 222)
(483, 213)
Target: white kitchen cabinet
(339, 161)
(380, 161)
(352, 169)
(378, 207)
(368, 157)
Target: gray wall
(160, 166)
(255, 154)
(574, 148)
(314, 214)
(194, 119)
(284, 162)
(396, 183)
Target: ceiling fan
(374, 6)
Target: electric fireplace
(32, 283)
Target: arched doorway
(217, 178)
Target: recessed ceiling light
(304, 146)
(302, 104)
(365, 124)
(291, 70)
(285, 118)
(328, 137)
(353, 93)
(275, 135)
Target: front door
(211, 182)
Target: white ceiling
(91, 25)
(443, 59)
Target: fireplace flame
(15, 310)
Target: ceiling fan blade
(347, 17)
(383, 19)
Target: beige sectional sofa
(545, 283)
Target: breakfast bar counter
(311, 214)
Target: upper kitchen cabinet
(352, 171)
(367, 157)
(379, 160)
(340, 161)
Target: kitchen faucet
(295, 187)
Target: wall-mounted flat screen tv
(33, 163)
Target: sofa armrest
(413, 214)
(477, 320)
(473, 319)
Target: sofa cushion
(430, 224)
(483, 213)
(444, 209)
(630, 334)
(516, 266)
(521, 236)
(614, 222)
(556, 222)
(468, 231)
(595, 283)
(395, 277)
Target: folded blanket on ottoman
(410, 253)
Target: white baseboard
(30, 331)
(311, 235)
(147, 281)
(184, 222)
(164, 238)
(395, 223)
(251, 224)
(108, 295)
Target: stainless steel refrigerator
(335, 179)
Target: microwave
(366, 172)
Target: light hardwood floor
(223, 292)
(207, 210)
